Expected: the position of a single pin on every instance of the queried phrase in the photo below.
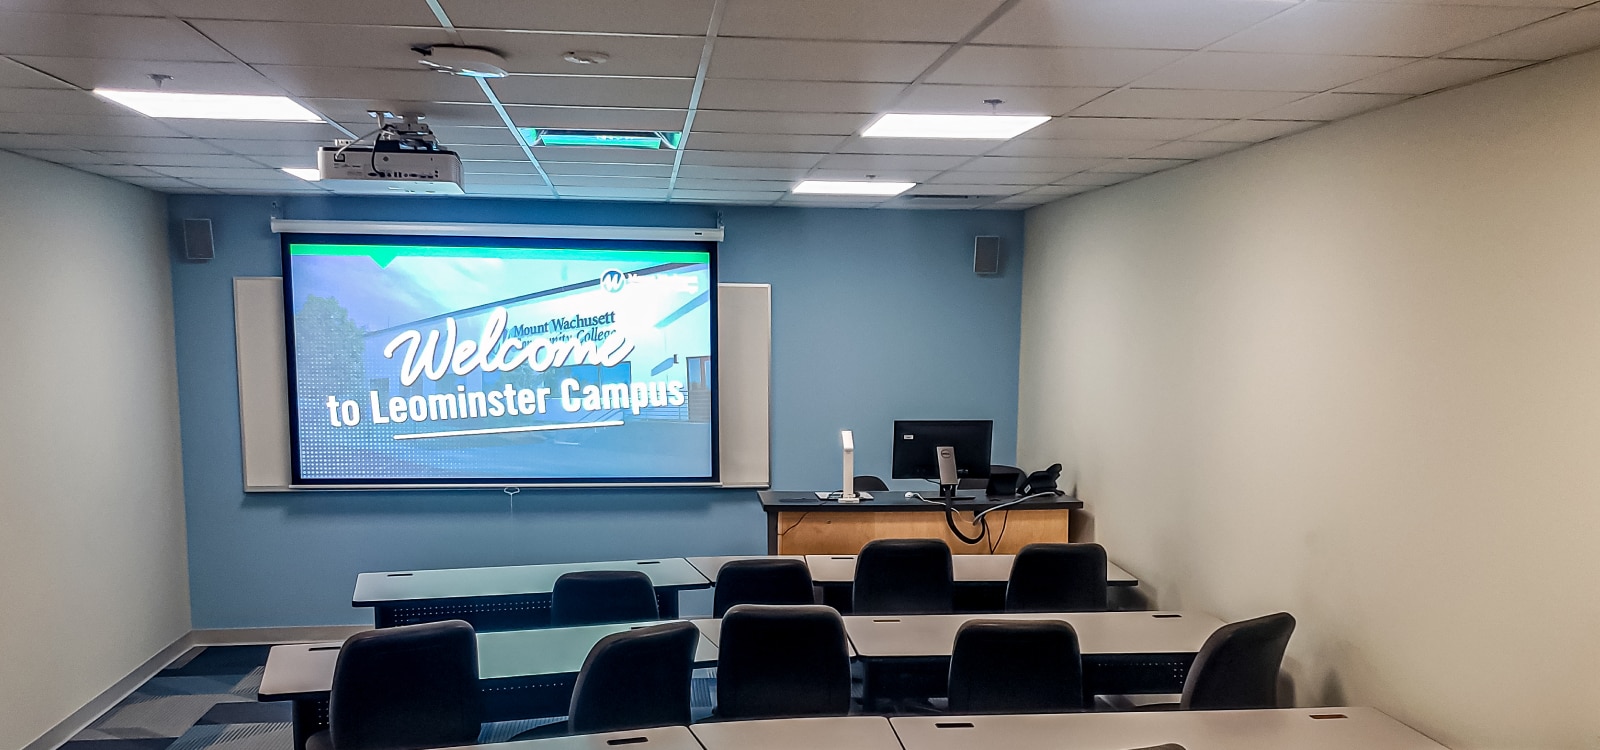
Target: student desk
(505, 598)
(818, 733)
(1123, 652)
(800, 524)
(523, 674)
(655, 738)
(1274, 729)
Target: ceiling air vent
(563, 137)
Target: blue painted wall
(876, 316)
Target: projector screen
(448, 360)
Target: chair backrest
(1003, 480)
(405, 688)
(635, 680)
(1238, 665)
(600, 596)
(782, 662)
(869, 483)
(1016, 667)
(903, 577)
(1058, 578)
(778, 580)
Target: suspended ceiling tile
(1146, 24)
(562, 182)
(1257, 71)
(1562, 35)
(386, 12)
(288, 131)
(943, 186)
(533, 52)
(734, 186)
(1185, 103)
(1191, 149)
(58, 102)
(597, 118)
(803, 123)
(116, 37)
(752, 159)
(1061, 164)
(118, 171)
(354, 111)
(604, 155)
(166, 184)
(54, 124)
(136, 144)
(594, 91)
(733, 196)
(91, 7)
(1253, 131)
(709, 141)
(72, 156)
(1094, 128)
(616, 193)
(1401, 29)
(740, 173)
(451, 136)
(608, 170)
(400, 85)
(798, 96)
(1333, 106)
(488, 153)
(949, 98)
(1042, 66)
(873, 173)
(789, 59)
(254, 174)
(14, 74)
(1098, 179)
(323, 44)
(918, 146)
(691, 17)
(1424, 76)
(990, 182)
(922, 21)
(499, 167)
(886, 162)
(274, 147)
(191, 77)
(228, 161)
(1139, 166)
(1078, 147)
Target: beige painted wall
(1355, 375)
(93, 571)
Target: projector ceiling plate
(469, 62)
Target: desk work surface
(655, 738)
(815, 733)
(710, 565)
(712, 630)
(513, 580)
(773, 501)
(1274, 729)
(841, 569)
(1099, 633)
(305, 670)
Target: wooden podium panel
(835, 532)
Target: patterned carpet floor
(206, 700)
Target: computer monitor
(916, 444)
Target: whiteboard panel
(744, 337)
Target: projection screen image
(445, 361)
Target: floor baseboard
(80, 719)
(111, 696)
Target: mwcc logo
(613, 280)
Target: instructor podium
(800, 524)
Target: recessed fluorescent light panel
(555, 137)
(210, 106)
(977, 127)
(309, 174)
(842, 187)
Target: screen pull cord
(511, 495)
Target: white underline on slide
(497, 430)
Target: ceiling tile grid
(772, 91)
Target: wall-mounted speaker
(986, 255)
(197, 244)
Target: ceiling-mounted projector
(404, 158)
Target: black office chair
(777, 662)
(1058, 578)
(869, 483)
(601, 596)
(777, 580)
(1016, 667)
(1003, 480)
(404, 688)
(1238, 665)
(631, 680)
(903, 577)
